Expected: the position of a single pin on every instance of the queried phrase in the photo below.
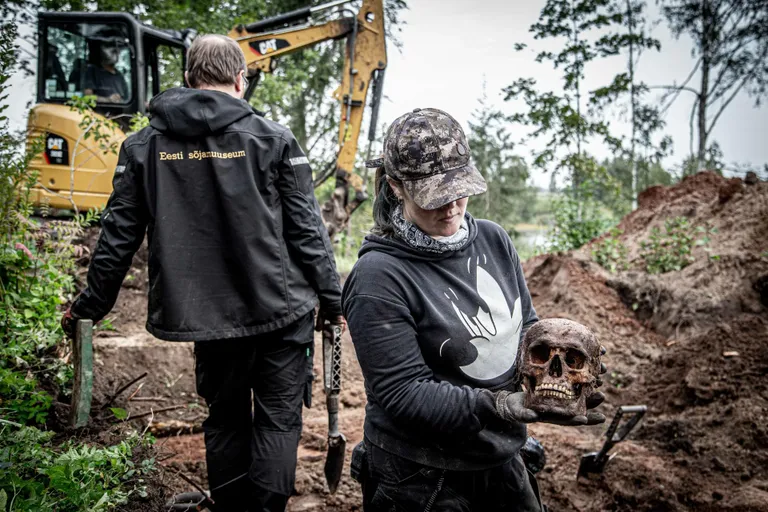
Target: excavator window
(88, 58)
(165, 67)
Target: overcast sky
(450, 47)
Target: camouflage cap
(427, 150)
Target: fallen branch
(186, 479)
(112, 397)
(152, 412)
(148, 399)
(174, 428)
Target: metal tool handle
(637, 412)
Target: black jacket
(236, 242)
(433, 333)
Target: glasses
(245, 82)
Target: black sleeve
(303, 228)
(396, 374)
(123, 224)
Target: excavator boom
(364, 64)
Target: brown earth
(703, 445)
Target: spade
(337, 443)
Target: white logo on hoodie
(495, 333)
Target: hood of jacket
(188, 113)
(399, 248)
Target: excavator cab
(114, 57)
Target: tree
(631, 39)
(646, 173)
(730, 39)
(560, 119)
(509, 198)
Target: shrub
(611, 253)
(672, 250)
(578, 218)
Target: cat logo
(268, 46)
(56, 151)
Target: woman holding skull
(437, 306)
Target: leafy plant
(37, 476)
(138, 122)
(578, 218)
(611, 253)
(672, 250)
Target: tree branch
(736, 91)
(685, 84)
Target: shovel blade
(334, 462)
(589, 465)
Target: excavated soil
(691, 345)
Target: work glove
(324, 321)
(69, 324)
(509, 407)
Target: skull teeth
(555, 391)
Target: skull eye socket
(575, 359)
(540, 354)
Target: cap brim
(435, 191)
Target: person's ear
(186, 79)
(395, 188)
(240, 84)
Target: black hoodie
(236, 242)
(432, 333)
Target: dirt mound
(691, 345)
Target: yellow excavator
(79, 51)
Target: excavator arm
(264, 41)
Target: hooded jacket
(433, 334)
(236, 242)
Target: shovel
(334, 461)
(594, 463)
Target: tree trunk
(706, 34)
(634, 188)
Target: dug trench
(691, 345)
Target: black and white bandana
(418, 239)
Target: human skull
(560, 367)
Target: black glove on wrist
(509, 407)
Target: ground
(690, 345)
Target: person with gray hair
(238, 260)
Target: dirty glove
(509, 407)
(323, 321)
(69, 324)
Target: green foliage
(36, 476)
(95, 126)
(138, 122)
(672, 249)
(578, 218)
(559, 117)
(611, 253)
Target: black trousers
(396, 484)
(254, 388)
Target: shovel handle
(612, 437)
(332, 360)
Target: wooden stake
(82, 390)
